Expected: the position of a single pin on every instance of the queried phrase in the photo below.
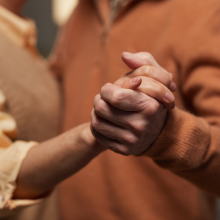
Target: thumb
(133, 83)
(136, 60)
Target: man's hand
(129, 121)
(126, 121)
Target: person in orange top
(173, 172)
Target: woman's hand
(156, 81)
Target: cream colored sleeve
(12, 155)
(10, 163)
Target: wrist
(154, 136)
(86, 138)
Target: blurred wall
(41, 12)
(62, 9)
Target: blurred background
(41, 12)
(49, 15)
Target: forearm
(50, 162)
(190, 147)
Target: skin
(157, 82)
(129, 121)
(52, 161)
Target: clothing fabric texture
(11, 158)
(30, 111)
(21, 31)
(179, 176)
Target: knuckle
(96, 99)
(97, 96)
(100, 107)
(143, 103)
(147, 70)
(117, 97)
(130, 139)
(148, 56)
(139, 126)
(94, 123)
(151, 107)
(105, 87)
(154, 106)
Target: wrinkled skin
(128, 120)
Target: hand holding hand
(156, 81)
(129, 121)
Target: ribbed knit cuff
(183, 142)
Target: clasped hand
(129, 115)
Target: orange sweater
(184, 37)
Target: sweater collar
(108, 10)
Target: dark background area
(41, 12)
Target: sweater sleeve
(189, 144)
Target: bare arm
(52, 161)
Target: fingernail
(169, 97)
(173, 86)
(135, 79)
